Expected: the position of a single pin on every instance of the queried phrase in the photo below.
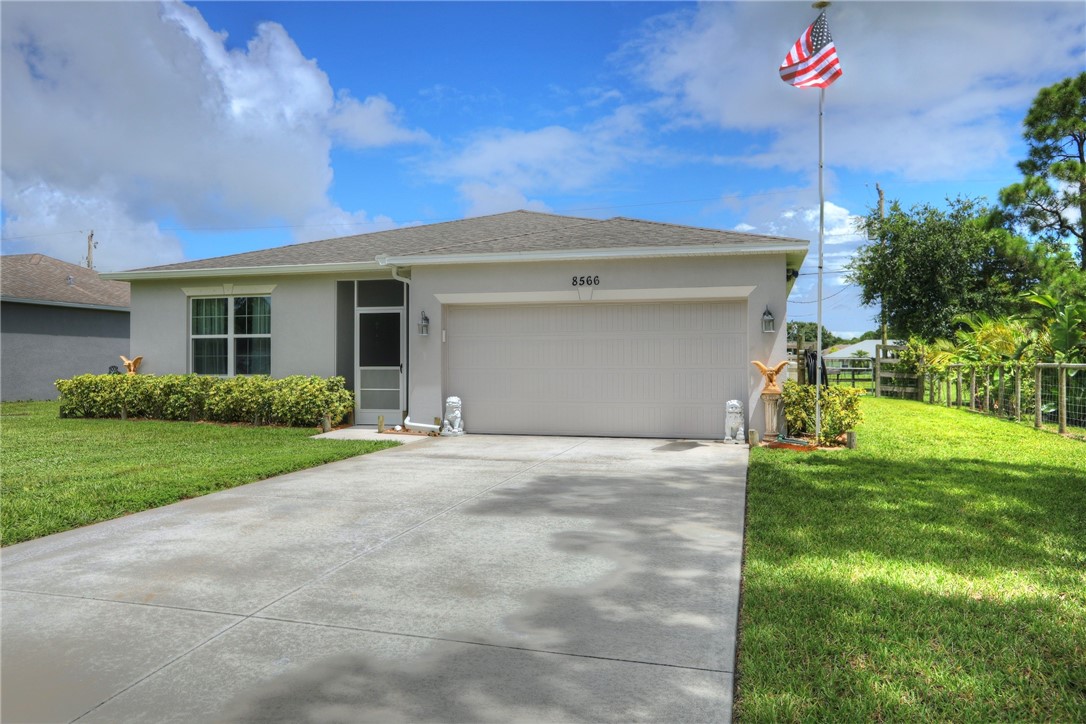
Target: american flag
(812, 62)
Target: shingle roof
(512, 232)
(616, 233)
(367, 247)
(35, 277)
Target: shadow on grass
(828, 648)
(913, 588)
(967, 517)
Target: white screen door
(380, 366)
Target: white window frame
(229, 336)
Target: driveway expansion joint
(507, 647)
(147, 604)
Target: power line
(812, 301)
(280, 227)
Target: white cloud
(372, 122)
(483, 198)
(45, 221)
(141, 111)
(504, 166)
(333, 221)
(924, 87)
(793, 212)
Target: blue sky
(182, 131)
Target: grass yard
(60, 474)
(937, 573)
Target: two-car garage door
(661, 369)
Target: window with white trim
(231, 335)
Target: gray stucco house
(57, 320)
(541, 323)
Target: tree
(1051, 198)
(931, 266)
(809, 332)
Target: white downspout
(398, 277)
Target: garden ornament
(733, 422)
(770, 375)
(454, 419)
(131, 365)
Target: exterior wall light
(768, 325)
(424, 325)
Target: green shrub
(241, 399)
(92, 395)
(298, 401)
(840, 410)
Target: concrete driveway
(482, 578)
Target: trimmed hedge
(840, 410)
(296, 401)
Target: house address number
(586, 281)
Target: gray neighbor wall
(40, 344)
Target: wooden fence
(1052, 393)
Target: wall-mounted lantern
(768, 324)
(424, 325)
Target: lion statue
(454, 418)
(733, 422)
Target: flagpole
(821, 232)
(813, 62)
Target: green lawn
(59, 474)
(936, 573)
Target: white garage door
(640, 370)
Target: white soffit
(595, 294)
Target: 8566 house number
(586, 281)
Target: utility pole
(882, 299)
(90, 249)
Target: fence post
(1002, 391)
(878, 377)
(973, 389)
(1037, 398)
(1018, 392)
(987, 390)
(948, 388)
(1063, 398)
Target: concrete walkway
(481, 578)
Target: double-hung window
(231, 335)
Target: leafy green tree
(1063, 330)
(809, 332)
(1051, 198)
(930, 266)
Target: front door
(379, 379)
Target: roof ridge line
(701, 228)
(586, 222)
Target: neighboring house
(846, 356)
(541, 323)
(56, 320)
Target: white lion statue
(733, 422)
(454, 418)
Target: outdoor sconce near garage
(768, 325)
(424, 325)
